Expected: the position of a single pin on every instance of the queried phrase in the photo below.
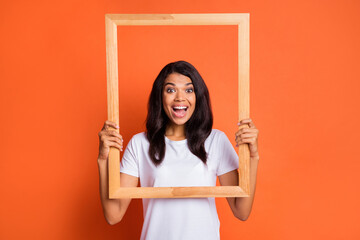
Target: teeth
(180, 107)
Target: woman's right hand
(109, 138)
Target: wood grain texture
(178, 19)
(244, 99)
(112, 100)
(180, 192)
(239, 19)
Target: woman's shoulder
(216, 132)
(139, 137)
(219, 135)
(216, 135)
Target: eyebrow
(169, 83)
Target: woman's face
(178, 98)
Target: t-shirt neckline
(175, 142)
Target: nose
(179, 96)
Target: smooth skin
(176, 91)
(241, 206)
(114, 209)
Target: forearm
(244, 204)
(111, 207)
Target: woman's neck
(175, 132)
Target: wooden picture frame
(239, 19)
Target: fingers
(106, 128)
(109, 124)
(110, 133)
(114, 134)
(116, 142)
(108, 141)
(246, 134)
(246, 138)
(110, 137)
(113, 142)
(246, 120)
(249, 135)
(246, 130)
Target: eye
(189, 90)
(170, 90)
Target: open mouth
(180, 108)
(179, 111)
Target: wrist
(101, 161)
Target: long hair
(197, 128)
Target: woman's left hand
(248, 135)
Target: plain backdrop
(304, 97)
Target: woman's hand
(109, 138)
(248, 135)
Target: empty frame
(111, 23)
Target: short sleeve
(129, 163)
(228, 157)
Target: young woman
(179, 148)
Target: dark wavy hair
(197, 128)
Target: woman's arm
(114, 209)
(241, 206)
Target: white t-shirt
(179, 218)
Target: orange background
(304, 73)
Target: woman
(179, 148)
